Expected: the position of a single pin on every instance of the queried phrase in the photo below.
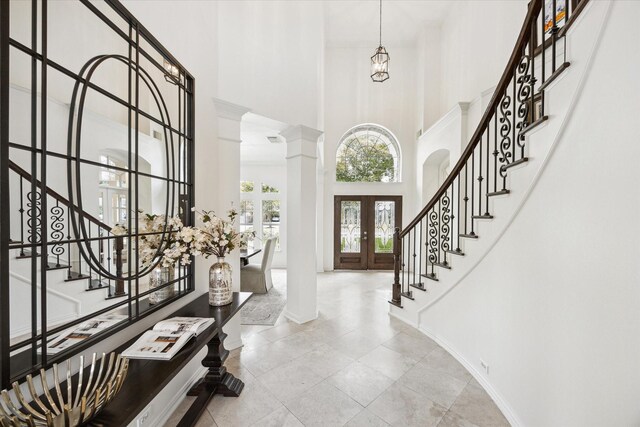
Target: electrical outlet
(144, 418)
(485, 366)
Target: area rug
(264, 309)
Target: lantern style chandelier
(380, 59)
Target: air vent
(274, 139)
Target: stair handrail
(26, 175)
(518, 105)
(507, 76)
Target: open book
(167, 338)
(81, 332)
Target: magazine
(167, 338)
(81, 332)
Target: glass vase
(220, 283)
(158, 277)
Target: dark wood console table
(146, 378)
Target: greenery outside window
(368, 153)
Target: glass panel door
(363, 231)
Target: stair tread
(442, 265)
(469, 236)
(95, 284)
(498, 193)
(27, 254)
(554, 75)
(483, 216)
(407, 295)
(454, 252)
(516, 163)
(54, 266)
(534, 125)
(418, 286)
(397, 304)
(74, 275)
(430, 277)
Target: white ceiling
(356, 22)
(255, 147)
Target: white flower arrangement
(216, 236)
(150, 231)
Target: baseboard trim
(162, 417)
(502, 404)
(300, 321)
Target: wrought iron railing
(61, 246)
(497, 145)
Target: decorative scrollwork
(433, 236)
(445, 228)
(57, 229)
(506, 157)
(34, 223)
(524, 97)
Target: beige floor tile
(254, 403)
(362, 383)
(366, 418)
(179, 412)
(263, 359)
(476, 406)
(289, 380)
(451, 419)
(324, 406)
(441, 361)
(401, 406)
(254, 341)
(389, 362)
(281, 331)
(324, 360)
(279, 418)
(437, 386)
(413, 347)
(354, 344)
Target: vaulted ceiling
(355, 22)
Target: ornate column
(302, 146)
(227, 184)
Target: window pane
(246, 220)
(246, 186)
(350, 214)
(271, 220)
(384, 226)
(269, 189)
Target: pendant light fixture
(380, 59)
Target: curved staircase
(499, 145)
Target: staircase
(437, 235)
(64, 263)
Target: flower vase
(220, 283)
(158, 277)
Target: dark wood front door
(363, 231)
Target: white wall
(476, 40)
(272, 54)
(351, 98)
(553, 307)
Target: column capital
(301, 132)
(229, 110)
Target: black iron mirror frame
(22, 358)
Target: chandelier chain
(380, 44)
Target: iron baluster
(458, 230)
(480, 179)
(495, 152)
(554, 32)
(466, 199)
(505, 133)
(420, 254)
(473, 162)
(21, 210)
(414, 256)
(433, 241)
(445, 226)
(525, 99)
(515, 120)
(68, 245)
(57, 231)
(488, 179)
(34, 218)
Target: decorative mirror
(96, 157)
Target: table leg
(217, 380)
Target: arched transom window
(368, 153)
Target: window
(112, 177)
(269, 189)
(246, 220)
(368, 153)
(271, 220)
(246, 186)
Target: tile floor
(355, 366)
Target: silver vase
(220, 292)
(158, 277)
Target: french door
(363, 231)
